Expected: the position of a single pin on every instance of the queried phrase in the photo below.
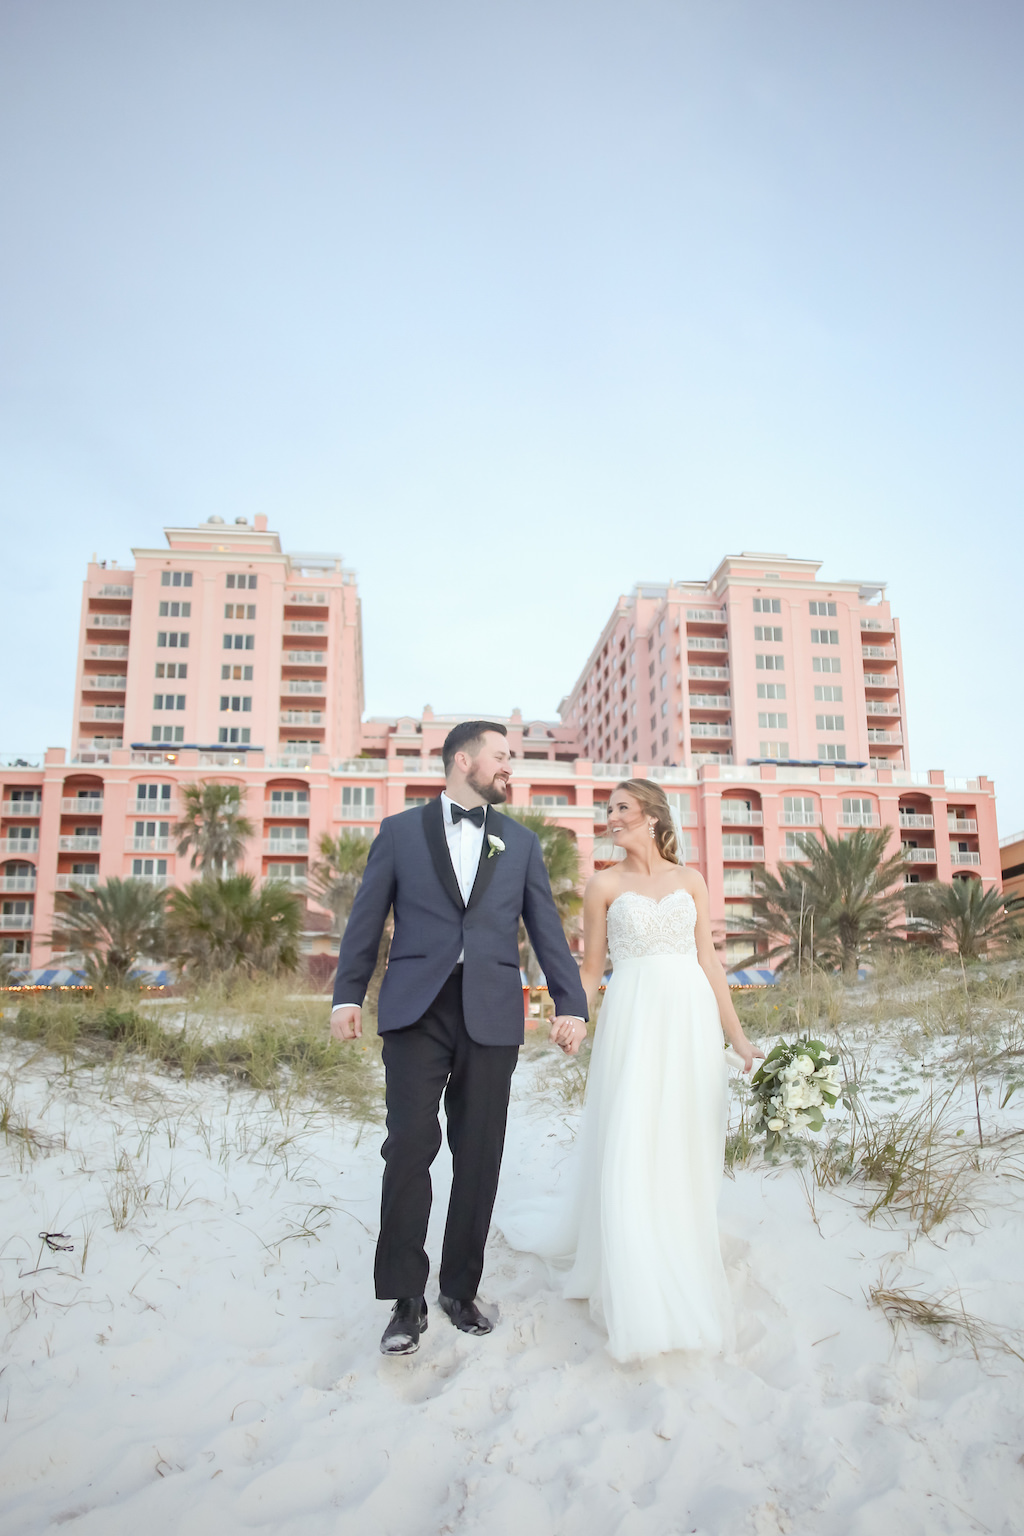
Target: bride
(640, 1230)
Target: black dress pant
(434, 1056)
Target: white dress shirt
(465, 840)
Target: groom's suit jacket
(410, 869)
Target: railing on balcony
(149, 844)
(884, 652)
(88, 756)
(742, 853)
(706, 643)
(283, 875)
(318, 598)
(303, 685)
(16, 922)
(79, 844)
(739, 816)
(881, 707)
(153, 808)
(22, 807)
(305, 627)
(87, 882)
(710, 701)
(737, 883)
(19, 844)
(104, 682)
(304, 717)
(915, 821)
(893, 738)
(918, 855)
(305, 658)
(291, 810)
(721, 673)
(800, 818)
(109, 590)
(102, 712)
(697, 758)
(281, 847)
(963, 856)
(859, 819)
(880, 680)
(962, 824)
(82, 805)
(106, 652)
(17, 882)
(792, 853)
(705, 616)
(160, 881)
(719, 729)
(108, 621)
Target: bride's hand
(744, 1048)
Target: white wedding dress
(639, 1224)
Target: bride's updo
(652, 801)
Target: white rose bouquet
(793, 1086)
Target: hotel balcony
(317, 599)
(17, 882)
(738, 882)
(283, 847)
(104, 682)
(106, 652)
(304, 685)
(719, 729)
(160, 809)
(961, 824)
(305, 658)
(892, 738)
(160, 881)
(859, 819)
(742, 853)
(880, 680)
(710, 701)
(85, 805)
(22, 808)
(881, 652)
(19, 845)
(882, 707)
(305, 627)
(963, 856)
(303, 717)
(738, 925)
(87, 882)
(790, 853)
(706, 643)
(365, 767)
(721, 674)
(101, 712)
(285, 875)
(919, 855)
(912, 821)
(433, 767)
(108, 621)
(800, 818)
(149, 844)
(882, 626)
(291, 810)
(696, 758)
(109, 590)
(16, 922)
(79, 844)
(740, 817)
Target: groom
(458, 876)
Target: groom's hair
(467, 737)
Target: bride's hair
(651, 799)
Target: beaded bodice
(638, 925)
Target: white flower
(804, 1065)
(776, 1125)
(497, 846)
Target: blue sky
(515, 304)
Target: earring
(650, 827)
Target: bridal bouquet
(792, 1086)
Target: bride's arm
(712, 967)
(595, 939)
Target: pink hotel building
(767, 704)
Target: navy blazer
(410, 869)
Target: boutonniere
(497, 846)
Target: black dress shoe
(466, 1315)
(408, 1321)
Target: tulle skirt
(637, 1224)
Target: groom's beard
(494, 791)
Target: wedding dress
(639, 1228)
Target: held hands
(569, 1033)
(743, 1048)
(347, 1023)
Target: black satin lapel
(485, 869)
(433, 829)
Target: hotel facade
(767, 703)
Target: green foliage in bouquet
(792, 1088)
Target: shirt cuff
(345, 1005)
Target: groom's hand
(568, 1032)
(346, 1022)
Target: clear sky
(514, 303)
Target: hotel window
(239, 579)
(287, 800)
(176, 639)
(152, 829)
(653, 696)
(773, 722)
(168, 701)
(664, 738)
(233, 735)
(153, 794)
(797, 808)
(661, 627)
(824, 637)
(26, 796)
(825, 664)
(770, 663)
(664, 708)
(830, 722)
(776, 749)
(143, 867)
(823, 610)
(167, 733)
(549, 799)
(239, 642)
(771, 690)
(632, 734)
(828, 693)
(237, 703)
(661, 654)
(767, 605)
(663, 681)
(175, 610)
(175, 578)
(239, 610)
(654, 723)
(172, 669)
(858, 805)
(831, 753)
(768, 632)
(356, 798)
(239, 674)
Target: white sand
(212, 1366)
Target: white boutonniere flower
(497, 846)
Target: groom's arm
(547, 936)
(361, 940)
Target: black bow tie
(476, 815)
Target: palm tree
(784, 920)
(856, 893)
(221, 927)
(112, 927)
(212, 827)
(562, 862)
(336, 876)
(963, 914)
